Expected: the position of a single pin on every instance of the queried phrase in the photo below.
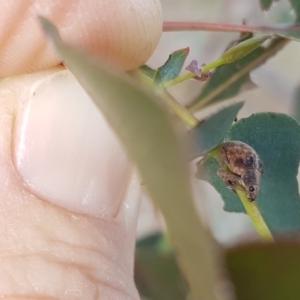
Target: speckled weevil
(240, 164)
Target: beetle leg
(230, 179)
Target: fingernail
(66, 152)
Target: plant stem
(212, 65)
(179, 79)
(188, 118)
(225, 27)
(255, 216)
(250, 207)
(207, 26)
(142, 77)
(191, 75)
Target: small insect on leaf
(240, 165)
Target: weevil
(240, 164)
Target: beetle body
(240, 164)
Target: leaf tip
(49, 29)
(186, 51)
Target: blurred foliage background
(270, 92)
(259, 273)
(276, 84)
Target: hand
(69, 199)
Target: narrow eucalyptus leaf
(147, 133)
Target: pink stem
(223, 27)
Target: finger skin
(48, 252)
(124, 32)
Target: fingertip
(123, 32)
(66, 152)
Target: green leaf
(147, 133)
(228, 80)
(296, 6)
(172, 67)
(265, 4)
(265, 271)
(276, 138)
(207, 171)
(211, 131)
(296, 106)
(157, 275)
(285, 31)
(290, 31)
(152, 241)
